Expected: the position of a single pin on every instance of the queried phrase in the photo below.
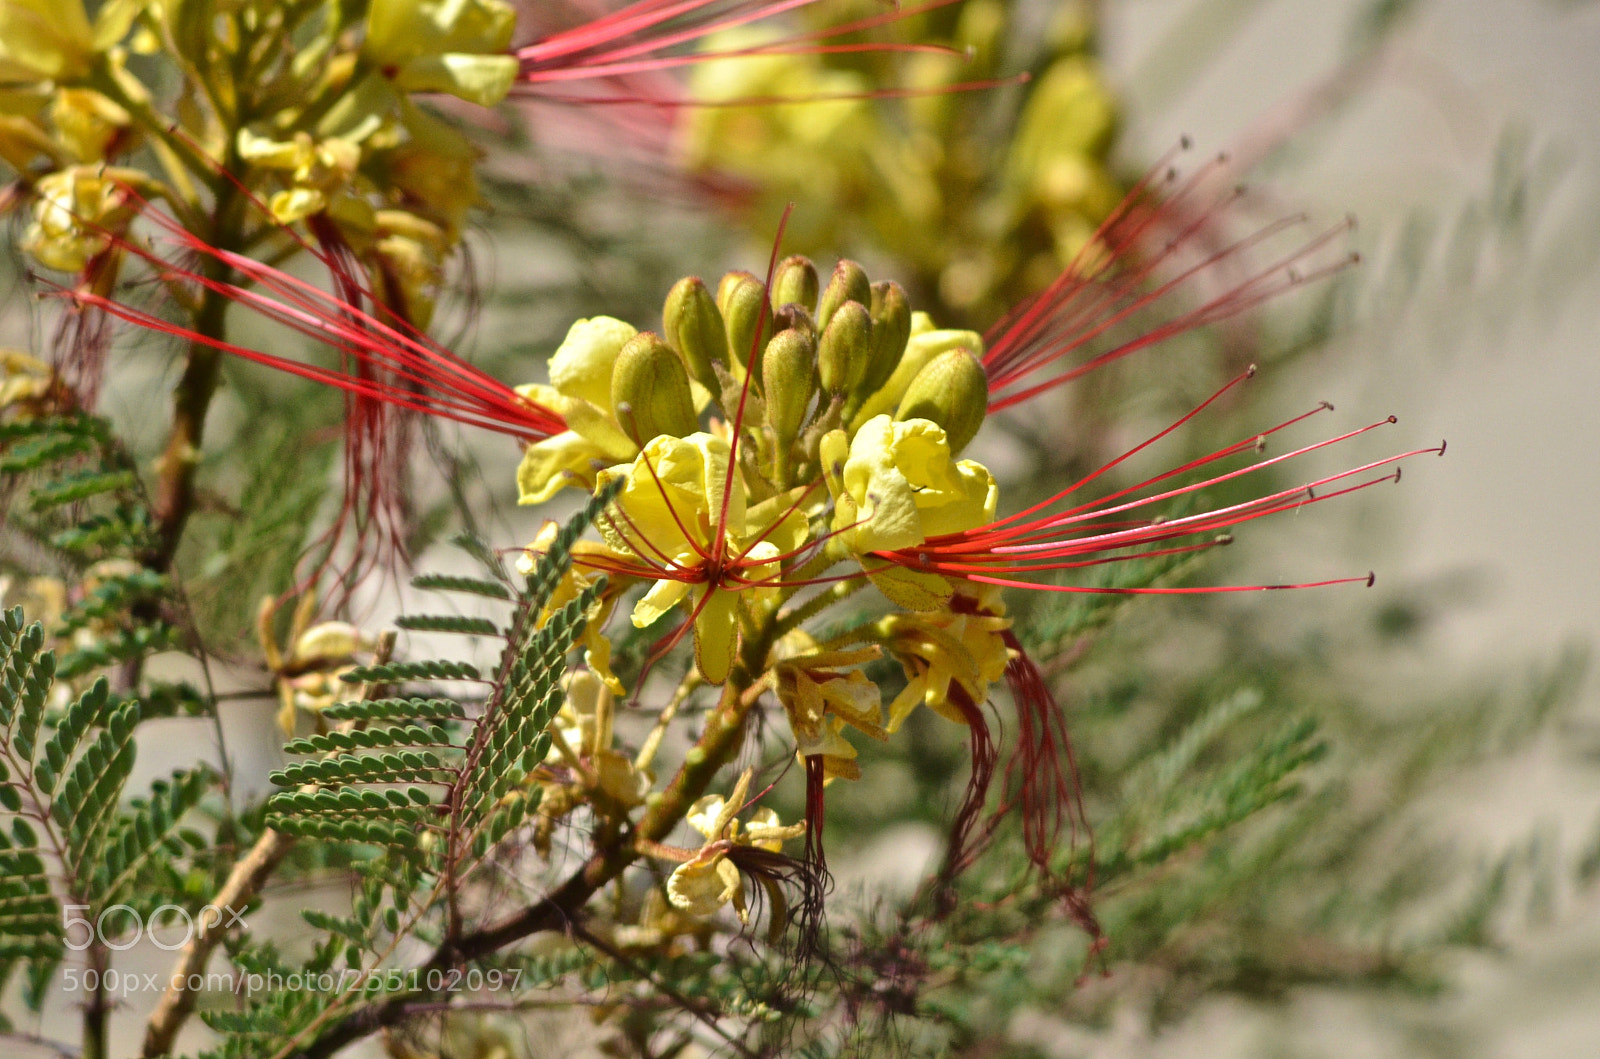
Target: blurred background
(1462, 133)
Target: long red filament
(1110, 282)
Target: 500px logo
(96, 929)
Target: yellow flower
(710, 878)
(307, 677)
(668, 514)
(943, 650)
(26, 382)
(22, 135)
(455, 46)
(318, 169)
(87, 123)
(74, 211)
(434, 169)
(894, 485)
(589, 562)
(1055, 165)
(413, 251)
(580, 391)
(583, 738)
(821, 695)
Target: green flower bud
(952, 391)
(921, 348)
(845, 350)
(650, 390)
(848, 283)
(743, 301)
(795, 283)
(693, 326)
(789, 366)
(891, 327)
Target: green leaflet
(65, 779)
(441, 779)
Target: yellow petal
(915, 590)
(705, 815)
(620, 779)
(547, 466)
(598, 426)
(330, 641)
(581, 366)
(904, 703)
(662, 597)
(826, 740)
(481, 79)
(732, 887)
(898, 486)
(716, 632)
(856, 700)
(696, 887)
(399, 30)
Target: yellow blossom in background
(1054, 173)
(317, 169)
(23, 138)
(26, 382)
(980, 196)
(88, 124)
(583, 739)
(306, 675)
(455, 46)
(73, 213)
(44, 40)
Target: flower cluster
(780, 444)
(788, 456)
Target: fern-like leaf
(452, 623)
(70, 840)
(470, 585)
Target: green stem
(818, 603)
(174, 499)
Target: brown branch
(244, 882)
(562, 907)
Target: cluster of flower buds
(793, 363)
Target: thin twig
(244, 883)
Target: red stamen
(1049, 792)
(964, 845)
(430, 378)
(1106, 285)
